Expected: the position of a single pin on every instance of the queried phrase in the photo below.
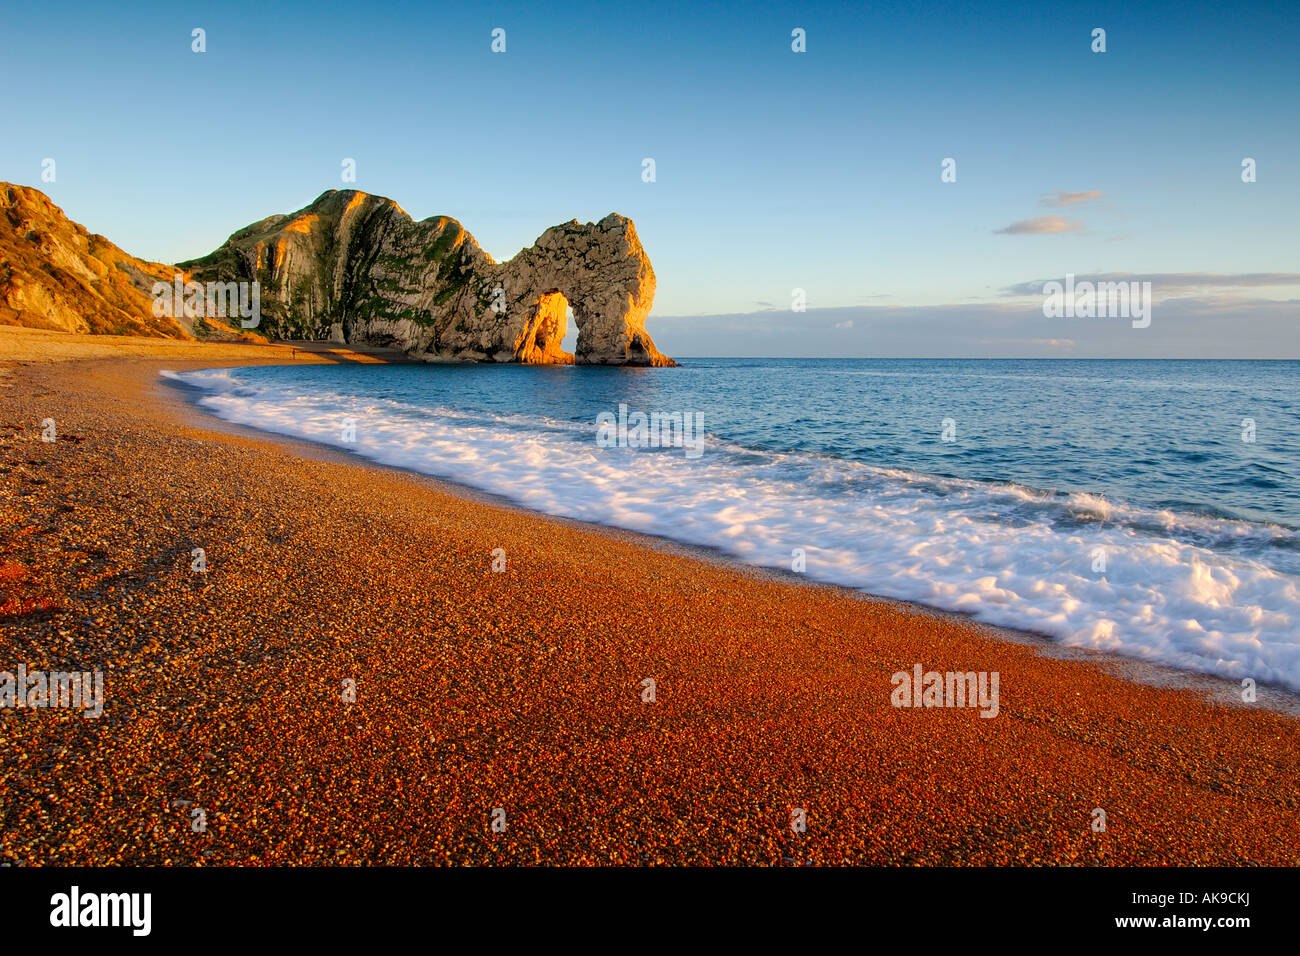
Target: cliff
(356, 268)
(54, 274)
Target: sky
(775, 170)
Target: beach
(349, 681)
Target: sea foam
(1212, 595)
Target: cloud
(1162, 282)
(844, 325)
(1060, 198)
(1041, 226)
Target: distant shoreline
(20, 343)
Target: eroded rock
(55, 274)
(357, 267)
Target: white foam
(1199, 593)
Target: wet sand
(520, 692)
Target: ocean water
(1147, 508)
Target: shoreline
(1223, 691)
(522, 690)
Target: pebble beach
(348, 681)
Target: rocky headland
(352, 269)
(356, 269)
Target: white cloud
(1041, 226)
(1060, 198)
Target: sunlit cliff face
(540, 341)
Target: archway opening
(570, 341)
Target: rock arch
(600, 270)
(356, 268)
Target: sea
(1143, 508)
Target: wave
(1195, 591)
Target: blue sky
(775, 170)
